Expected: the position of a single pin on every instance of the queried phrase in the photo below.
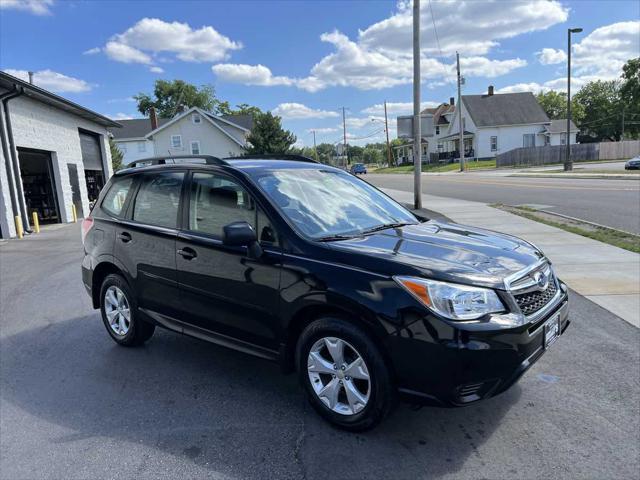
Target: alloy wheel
(116, 307)
(339, 375)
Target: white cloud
(121, 52)
(151, 36)
(122, 116)
(468, 26)
(300, 111)
(551, 56)
(92, 51)
(323, 130)
(156, 69)
(397, 108)
(36, 7)
(483, 67)
(249, 75)
(121, 100)
(54, 81)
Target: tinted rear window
(158, 199)
(116, 196)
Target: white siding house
(556, 132)
(191, 132)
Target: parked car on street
(357, 168)
(633, 164)
(304, 264)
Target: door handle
(125, 237)
(187, 253)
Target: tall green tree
(600, 101)
(555, 106)
(169, 96)
(630, 98)
(116, 156)
(267, 136)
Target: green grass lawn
(449, 167)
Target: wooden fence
(580, 152)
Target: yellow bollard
(73, 212)
(36, 222)
(19, 229)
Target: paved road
(75, 405)
(615, 203)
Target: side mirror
(241, 234)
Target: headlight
(456, 302)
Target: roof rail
(171, 159)
(273, 156)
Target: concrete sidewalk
(606, 275)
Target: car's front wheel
(344, 374)
(120, 313)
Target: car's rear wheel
(344, 374)
(120, 313)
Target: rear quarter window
(116, 197)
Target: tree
(630, 98)
(170, 96)
(600, 102)
(116, 156)
(555, 106)
(267, 136)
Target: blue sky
(307, 59)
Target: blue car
(357, 168)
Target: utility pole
(622, 138)
(315, 150)
(417, 133)
(345, 151)
(386, 128)
(460, 122)
(568, 166)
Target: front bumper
(439, 364)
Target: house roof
(560, 126)
(439, 113)
(504, 109)
(140, 127)
(135, 128)
(33, 91)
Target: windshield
(324, 203)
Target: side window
(216, 201)
(266, 232)
(158, 199)
(114, 199)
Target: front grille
(531, 302)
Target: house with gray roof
(493, 123)
(193, 131)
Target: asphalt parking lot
(75, 405)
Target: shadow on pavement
(219, 409)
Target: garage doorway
(38, 185)
(92, 162)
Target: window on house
(494, 144)
(195, 118)
(424, 149)
(142, 147)
(529, 140)
(563, 139)
(176, 141)
(195, 148)
(440, 147)
(437, 130)
(547, 140)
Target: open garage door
(92, 161)
(38, 185)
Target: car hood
(446, 251)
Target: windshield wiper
(331, 238)
(385, 227)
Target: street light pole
(460, 120)
(568, 166)
(417, 133)
(386, 128)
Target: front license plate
(551, 330)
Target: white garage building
(54, 153)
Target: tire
(136, 331)
(348, 412)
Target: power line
(435, 31)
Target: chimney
(452, 101)
(31, 78)
(490, 90)
(153, 116)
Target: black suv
(312, 267)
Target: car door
(222, 289)
(146, 242)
